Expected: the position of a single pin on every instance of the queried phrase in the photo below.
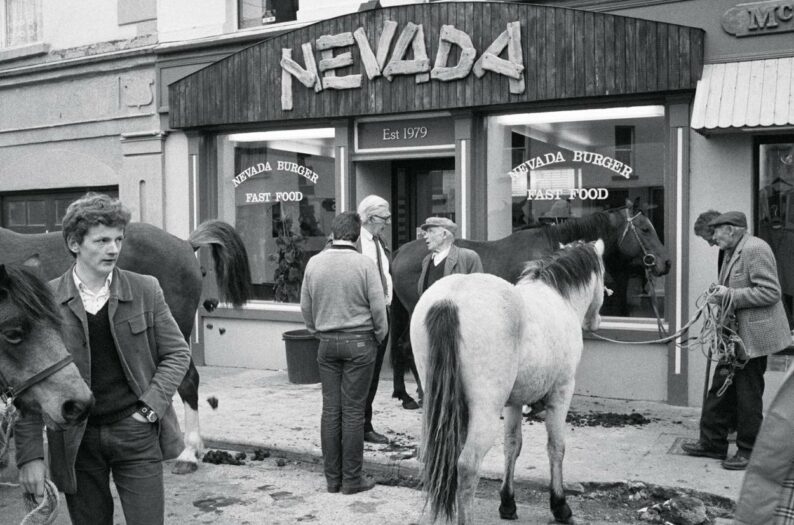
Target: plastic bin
(301, 348)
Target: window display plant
(289, 272)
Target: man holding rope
(749, 287)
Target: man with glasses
(444, 258)
(375, 216)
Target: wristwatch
(148, 413)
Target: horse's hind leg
(513, 438)
(187, 461)
(479, 439)
(556, 409)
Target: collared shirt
(368, 247)
(440, 256)
(93, 301)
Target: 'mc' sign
(322, 75)
(759, 18)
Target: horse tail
(446, 411)
(232, 273)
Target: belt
(347, 336)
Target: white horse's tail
(446, 412)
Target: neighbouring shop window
(277, 188)
(255, 13)
(20, 22)
(775, 210)
(42, 212)
(545, 168)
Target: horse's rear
(465, 331)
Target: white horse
(482, 345)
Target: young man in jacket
(129, 349)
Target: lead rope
(7, 420)
(718, 339)
(38, 513)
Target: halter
(648, 259)
(8, 390)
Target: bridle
(648, 259)
(9, 389)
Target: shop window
(540, 163)
(255, 13)
(775, 210)
(20, 22)
(277, 188)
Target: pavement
(261, 409)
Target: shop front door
(421, 188)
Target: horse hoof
(508, 514)
(184, 467)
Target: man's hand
(718, 293)
(31, 477)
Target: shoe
(698, 449)
(409, 403)
(363, 486)
(738, 462)
(373, 437)
(333, 489)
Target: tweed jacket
(459, 260)
(154, 357)
(767, 491)
(751, 274)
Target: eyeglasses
(384, 219)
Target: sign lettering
(586, 157)
(411, 41)
(274, 196)
(414, 133)
(759, 18)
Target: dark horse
(151, 251)
(36, 370)
(629, 237)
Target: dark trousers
(740, 407)
(346, 362)
(131, 451)
(373, 386)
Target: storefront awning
(745, 95)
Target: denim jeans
(130, 450)
(346, 362)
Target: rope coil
(718, 339)
(41, 512)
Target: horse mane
(566, 270)
(590, 227)
(30, 294)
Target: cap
(441, 222)
(734, 218)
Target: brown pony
(36, 370)
(152, 251)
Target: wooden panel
(565, 53)
(766, 116)
(784, 91)
(727, 98)
(741, 93)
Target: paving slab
(262, 409)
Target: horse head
(638, 241)
(592, 317)
(36, 370)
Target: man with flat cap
(444, 258)
(748, 281)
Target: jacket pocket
(140, 323)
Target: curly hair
(92, 209)
(702, 223)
